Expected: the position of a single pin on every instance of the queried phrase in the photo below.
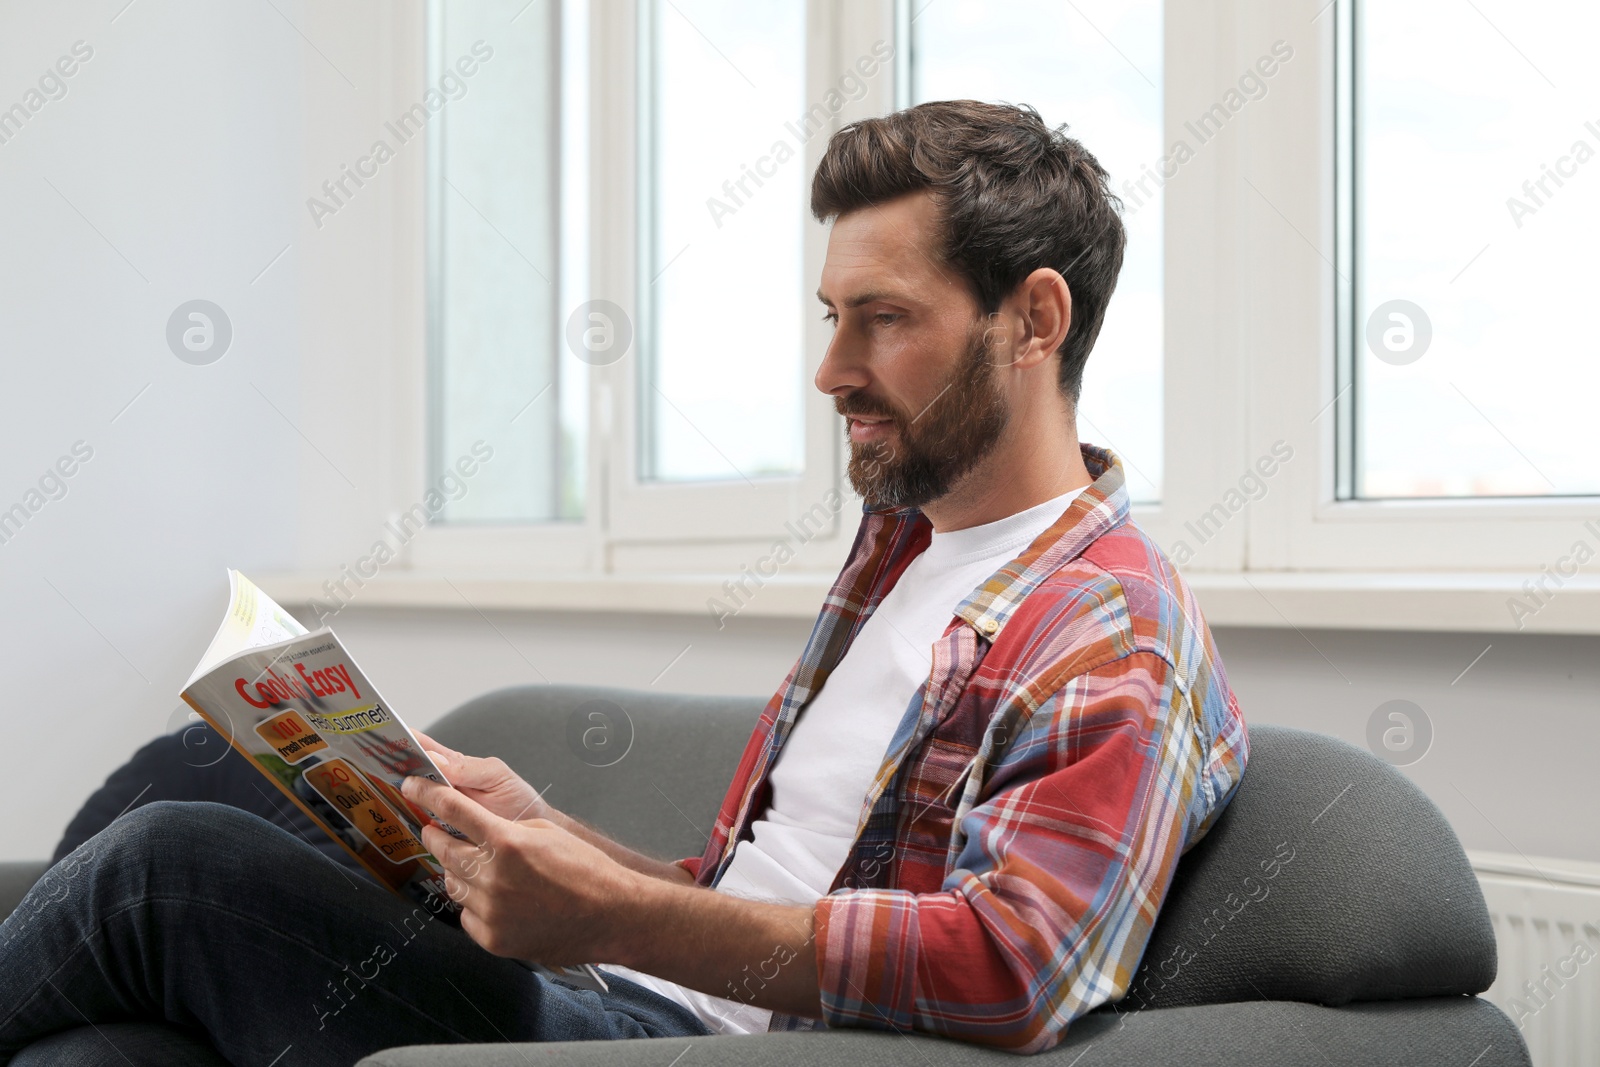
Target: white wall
(175, 167)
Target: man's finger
(433, 747)
(474, 772)
(452, 806)
(457, 857)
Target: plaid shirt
(1075, 736)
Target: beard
(934, 448)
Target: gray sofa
(1330, 917)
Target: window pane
(499, 374)
(1478, 197)
(1095, 65)
(724, 181)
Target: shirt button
(988, 626)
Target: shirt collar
(1100, 508)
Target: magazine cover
(296, 705)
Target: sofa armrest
(1437, 1030)
(16, 878)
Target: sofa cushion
(16, 878)
(1448, 1031)
(1331, 878)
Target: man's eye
(884, 318)
(830, 318)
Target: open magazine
(294, 703)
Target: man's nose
(843, 368)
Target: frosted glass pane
(1479, 199)
(500, 373)
(726, 181)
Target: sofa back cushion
(1329, 878)
(649, 769)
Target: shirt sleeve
(1063, 867)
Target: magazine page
(253, 619)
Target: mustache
(862, 404)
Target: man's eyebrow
(868, 297)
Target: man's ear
(1044, 304)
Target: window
(1096, 66)
(504, 259)
(721, 233)
(1292, 174)
(1423, 433)
(1474, 200)
(714, 114)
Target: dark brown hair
(1013, 194)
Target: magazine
(295, 705)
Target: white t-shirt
(820, 781)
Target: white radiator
(1546, 916)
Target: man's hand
(499, 789)
(532, 890)
(527, 889)
(488, 781)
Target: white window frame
(563, 546)
(1250, 359)
(632, 525)
(651, 512)
(1290, 152)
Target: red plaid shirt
(1075, 736)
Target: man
(958, 815)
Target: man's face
(909, 365)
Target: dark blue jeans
(211, 919)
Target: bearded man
(959, 815)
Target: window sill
(1546, 872)
(1461, 602)
(783, 596)
(1415, 601)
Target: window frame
(1242, 288)
(498, 547)
(1306, 309)
(630, 524)
(641, 511)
